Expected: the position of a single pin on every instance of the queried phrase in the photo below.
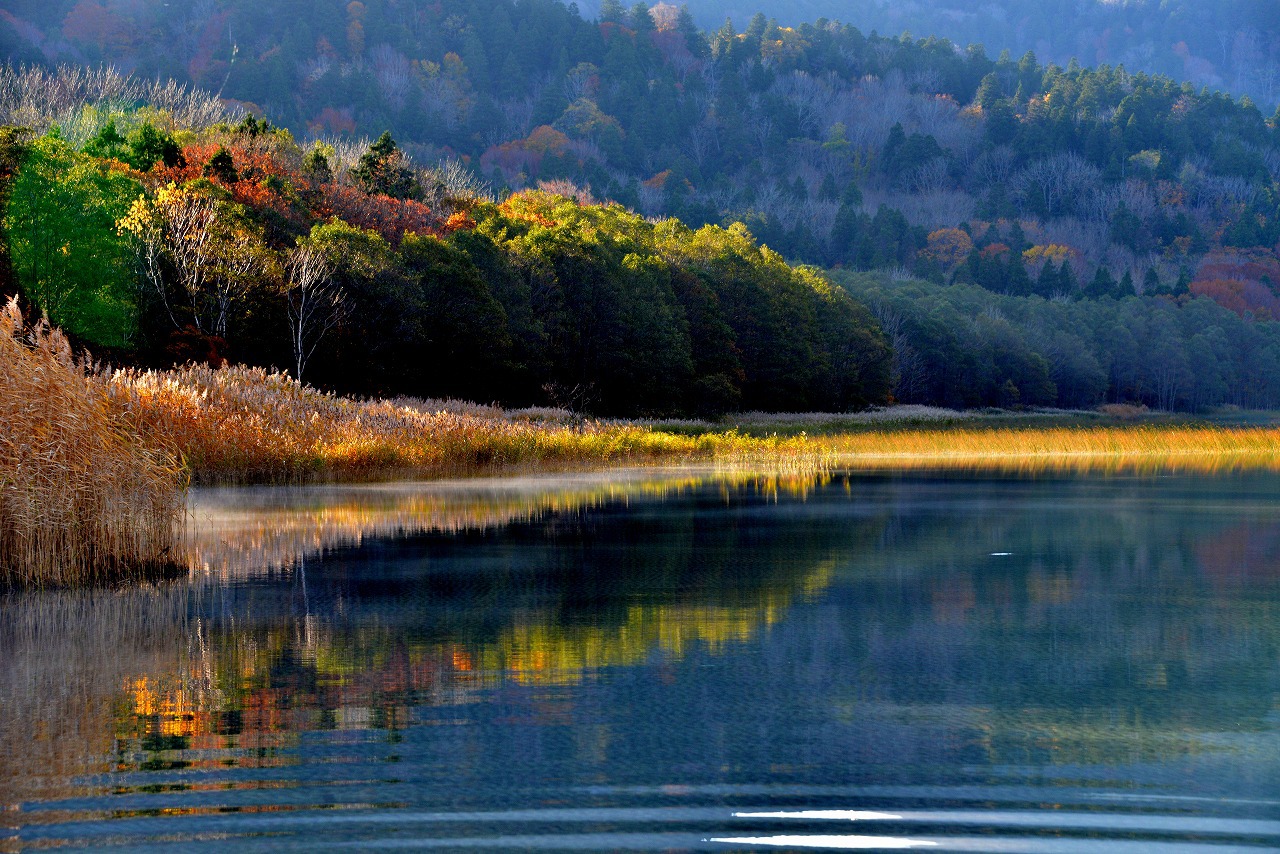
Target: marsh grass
(81, 499)
(1147, 448)
(240, 424)
(244, 425)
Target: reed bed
(241, 424)
(238, 424)
(81, 498)
(1171, 448)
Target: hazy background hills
(1227, 44)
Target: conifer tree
(381, 170)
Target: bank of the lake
(246, 425)
(99, 497)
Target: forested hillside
(165, 236)
(1223, 44)
(833, 148)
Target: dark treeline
(963, 346)
(233, 242)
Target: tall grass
(1150, 448)
(247, 424)
(80, 497)
(250, 425)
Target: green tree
(466, 347)
(149, 146)
(382, 169)
(68, 258)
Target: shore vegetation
(81, 498)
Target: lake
(669, 660)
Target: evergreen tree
(381, 170)
(222, 167)
(1102, 285)
(1125, 288)
(1018, 281)
(1151, 282)
(1067, 283)
(1047, 282)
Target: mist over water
(669, 660)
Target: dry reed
(1153, 448)
(246, 424)
(81, 499)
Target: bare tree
(213, 260)
(393, 74)
(316, 302)
(1055, 180)
(704, 139)
(907, 372)
(995, 167)
(581, 81)
(930, 177)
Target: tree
(222, 167)
(201, 242)
(149, 146)
(107, 142)
(315, 300)
(382, 170)
(66, 254)
(316, 164)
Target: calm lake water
(669, 661)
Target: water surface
(669, 661)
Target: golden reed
(1129, 449)
(81, 498)
(240, 424)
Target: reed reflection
(239, 531)
(325, 615)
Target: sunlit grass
(1151, 448)
(250, 425)
(247, 424)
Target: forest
(1223, 44)
(833, 147)
(233, 243)
(567, 207)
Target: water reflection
(234, 531)
(673, 639)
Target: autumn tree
(199, 253)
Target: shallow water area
(669, 660)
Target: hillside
(836, 149)
(231, 241)
(1223, 44)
